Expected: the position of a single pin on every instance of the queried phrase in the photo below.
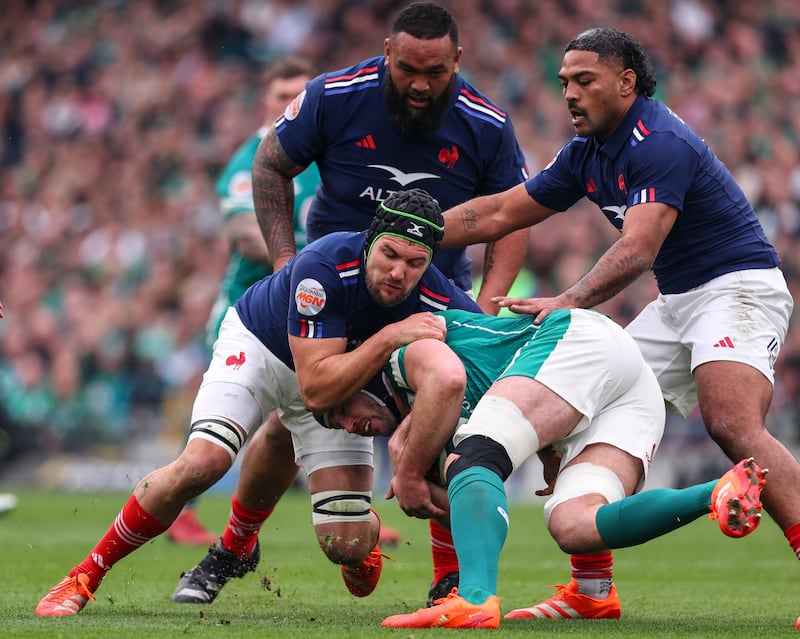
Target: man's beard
(407, 121)
(374, 291)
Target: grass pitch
(692, 583)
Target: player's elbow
(315, 405)
(451, 382)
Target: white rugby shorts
(597, 368)
(241, 360)
(739, 317)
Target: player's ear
(627, 82)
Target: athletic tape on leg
(331, 506)
(584, 479)
(501, 420)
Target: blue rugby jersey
(340, 122)
(321, 293)
(654, 156)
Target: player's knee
(199, 467)
(570, 512)
(501, 420)
(479, 450)
(572, 525)
(344, 524)
(347, 544)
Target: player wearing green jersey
(574, 389)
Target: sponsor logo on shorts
(310, 297)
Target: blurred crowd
(117, 116)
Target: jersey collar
(622, 133)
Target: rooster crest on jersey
(414, 215)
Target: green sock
(479, 522)
(652, 513)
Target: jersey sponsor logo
(403, 179)
(449, 156)
(618, 212)
(293, 108)
(310, 297)
(235, 361)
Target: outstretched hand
(539, 306)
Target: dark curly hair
(611, 44)
(426, 21)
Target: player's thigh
(733, 397)
(630, 425)
(738, 317)
(660, 343)
(244, 381)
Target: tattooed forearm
(489, 257)
(469, 218)
(612, 273)
(273, 197)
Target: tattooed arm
(643, 232)
(273, 197)
(502, 262)
(490, 217)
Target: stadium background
(116, 117)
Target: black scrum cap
(414, 215)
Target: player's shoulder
(477, 107)
(655, 122)
(337, 245)
(340, 251)
(355, 79)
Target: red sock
(244, 524)
(132, 528)
(594, 573)
(792, 533)
(443, 551)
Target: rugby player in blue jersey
(722, 313)
(404, 119)
(576, 390)
(248, 258)
(300, 339)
